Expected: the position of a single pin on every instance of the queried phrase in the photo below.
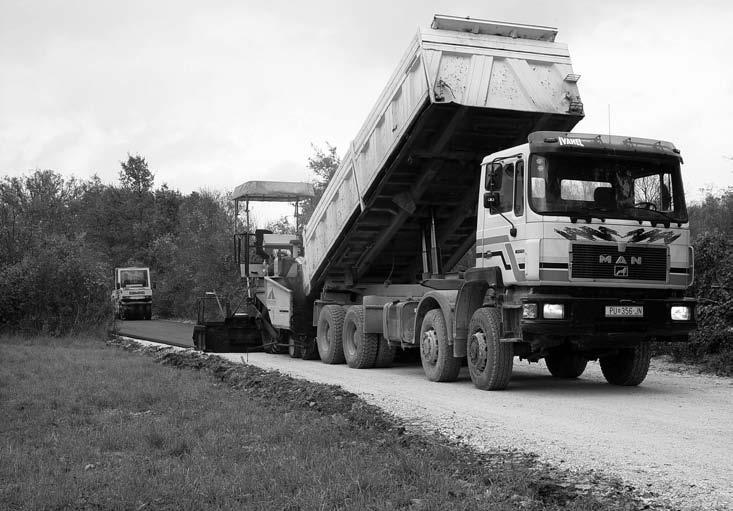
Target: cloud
(220, 93)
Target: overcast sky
(217, 93)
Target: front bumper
(586, 317)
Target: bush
(710, 345)
(59, 286)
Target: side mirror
(492, 180)
(492, 201)
(117, 285)
(152, 285)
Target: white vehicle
(132, 297)
(582, 243)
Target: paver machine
(270, 270)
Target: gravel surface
(670, 438)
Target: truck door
(501, 230)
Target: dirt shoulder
(535, 484)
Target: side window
(507, 188)
(519, 188)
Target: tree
(135, 174)
(281, 226)
(324, 165)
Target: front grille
(606, 262)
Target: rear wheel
(564, 364)
(436, 354)
(489, 360)
(329, 334)
(628, 367)
(148, 312)
(360, 348)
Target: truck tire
(360, 349)
(489, 360)
(565, 364)
(385, 353)
(436, 355)
(310, 349)
(148, 312)
(329, 334)
(628, 367)
(295, 350)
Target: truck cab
(132, 297)
(588, 242)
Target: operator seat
(259, 242)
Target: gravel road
(671, 437)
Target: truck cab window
(507, 188)
(519, 188)
(654, 191)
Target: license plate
(624, 311)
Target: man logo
(607, 259)
(621, 271)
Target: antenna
(609, 123)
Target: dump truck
(132, 297)
(468, 222)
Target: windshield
(133, 278)
(582, 186)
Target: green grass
(84, 425)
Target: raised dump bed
(464, 88)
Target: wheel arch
(443, 300)
(470, 298)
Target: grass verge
(86, 426)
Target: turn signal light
(529, 311)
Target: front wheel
(436, 354)
(489, 360)
(564, 364)
(628, 367)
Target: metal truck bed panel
(454, 98)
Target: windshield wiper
(599, 213)
(670, 219)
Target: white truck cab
(585, 243)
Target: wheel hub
(477, 351)
(429, 346)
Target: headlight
(553, 311)
(529, 311)
(680, 313)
